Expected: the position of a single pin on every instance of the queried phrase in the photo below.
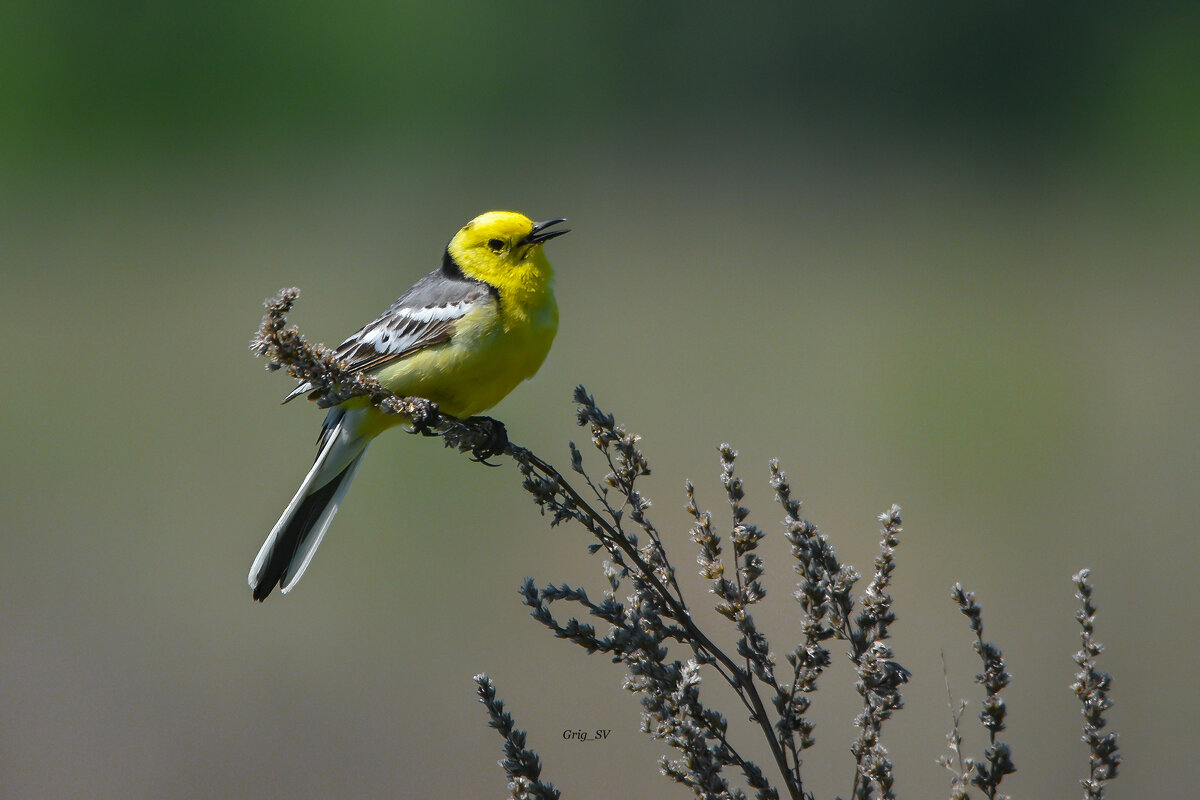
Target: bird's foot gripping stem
(494, 441)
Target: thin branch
(1091, 687)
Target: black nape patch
(450, 267)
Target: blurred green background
(943, 255)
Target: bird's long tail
(288, 550)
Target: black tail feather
(297, 530)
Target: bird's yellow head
(504, 249)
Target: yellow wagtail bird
(463, 336)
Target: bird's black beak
(539, 233)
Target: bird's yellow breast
(492, 350)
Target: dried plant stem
(997, 757)
(521, 765)
(734, 673)
(1091, 687)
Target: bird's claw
(494, 443)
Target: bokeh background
(943, 255)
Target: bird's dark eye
(496, 245)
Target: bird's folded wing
(425, 315)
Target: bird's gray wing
(425, 315)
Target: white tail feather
(342, 452)
(312, 539)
